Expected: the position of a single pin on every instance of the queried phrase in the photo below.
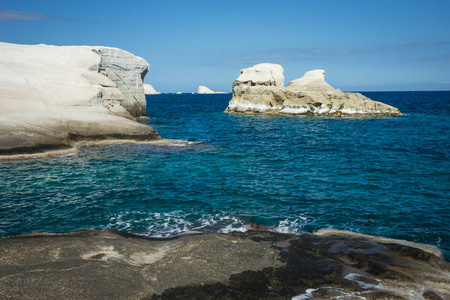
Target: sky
(394, 45)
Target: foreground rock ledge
(53, 97)
(109, 264)
(260, 89)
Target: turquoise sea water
(386, 176)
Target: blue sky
(362, 45)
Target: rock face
(127, 72)
(253, 265)
(261, 74)
(204, 90)
(51, 97)
(312, 81)
(149, 90)
(255, 92)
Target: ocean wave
(166, 224)
(294, 225)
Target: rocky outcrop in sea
(150, 90)
(204, 90)
(110, 264)
(260, 89)
(53, 97)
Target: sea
(382, 176)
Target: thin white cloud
(17, 16)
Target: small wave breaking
(166, 224)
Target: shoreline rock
(260, 89)
(105, 264)
(52, 97)
(77, 146)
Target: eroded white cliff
(52, 96)
(257, 90)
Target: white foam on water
(176, 222)
(332, 293)
(235, 225)
(307, 295)
(364, 285)
(293, 225)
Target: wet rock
(429, 295)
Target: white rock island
(204, 90)
(52, 97)
(150, 90)
(260, 89)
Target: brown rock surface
(255, 265)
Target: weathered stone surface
(52, 96)
(150, 90)
(254, 265)
(127, 71)
(308, 95)
(261, 74)
(312, 80)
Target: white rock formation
(309, 95)
(312, 80)
(51, 97)
(150, 90)
(261, 74)
(204, 90)
(127, 72)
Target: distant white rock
(204, 90)
(51, 97)
(259, 89)
(149, 90)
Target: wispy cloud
(252, 60)
(414, 46)
(16, 16)
(286, 55)
(414, 52)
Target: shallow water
(384, 176)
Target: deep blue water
(386, 176)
